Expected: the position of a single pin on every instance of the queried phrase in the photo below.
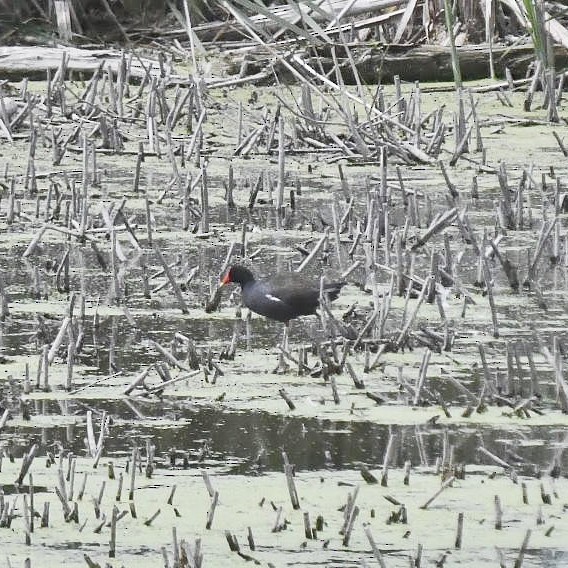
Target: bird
(282, 297)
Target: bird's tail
(332, 289)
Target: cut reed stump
(459, 532)
(112, 543)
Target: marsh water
(234, 424)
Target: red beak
(226, 279)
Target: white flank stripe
(272, 298)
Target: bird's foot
(283, 367)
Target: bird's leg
(285, 336)
(282, 364)
(248, 330)
(323, 304)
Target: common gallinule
(282, 297)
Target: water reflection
(253, 442)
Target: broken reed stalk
(85, 186)
(359, 384)
(524, 493)
(58, 339)
(35, 240)
(250, 539)
(556, 359)
(170, 359)
(204, 225)
(196, 556)
(83, 487)
(138, 380)
(289, 472)
(72, 466)
(281, 167)
(45, 367)
(161, 386)
(278, 524)
(348, 510)
(151, 519)
(337, 232)
(232, 542)
(133, 459)
(422, 375)
(490, 297)
(177, 290)
(4, 418)
(91, 442)
(27, 383)
(407, 468)
(176, 547)
(119, 487)
(459, 533)
(282, 392)
(70, 362)
(334, 390)
(307, 526)
(31, 496)
(137, 170)
(196, 135)
(495, 458)
(45, 515)
(150, 451)
(408, 323)
(523, 549)
(208, 484)
(386, 460)
(498, 513)
(27, 521)
(319, 245)
(148, 219)
(349, 529)
(211, 511)
(98, 500)
(438, 224)
(442, 488)
(26, 464)
(450, 22)
(60, 492)
(376, 552)
(543, 236)
(117, 292)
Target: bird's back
(286, 296)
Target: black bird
(282, 297)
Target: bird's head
(237, 274)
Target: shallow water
(237, 426)
(252, 442)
